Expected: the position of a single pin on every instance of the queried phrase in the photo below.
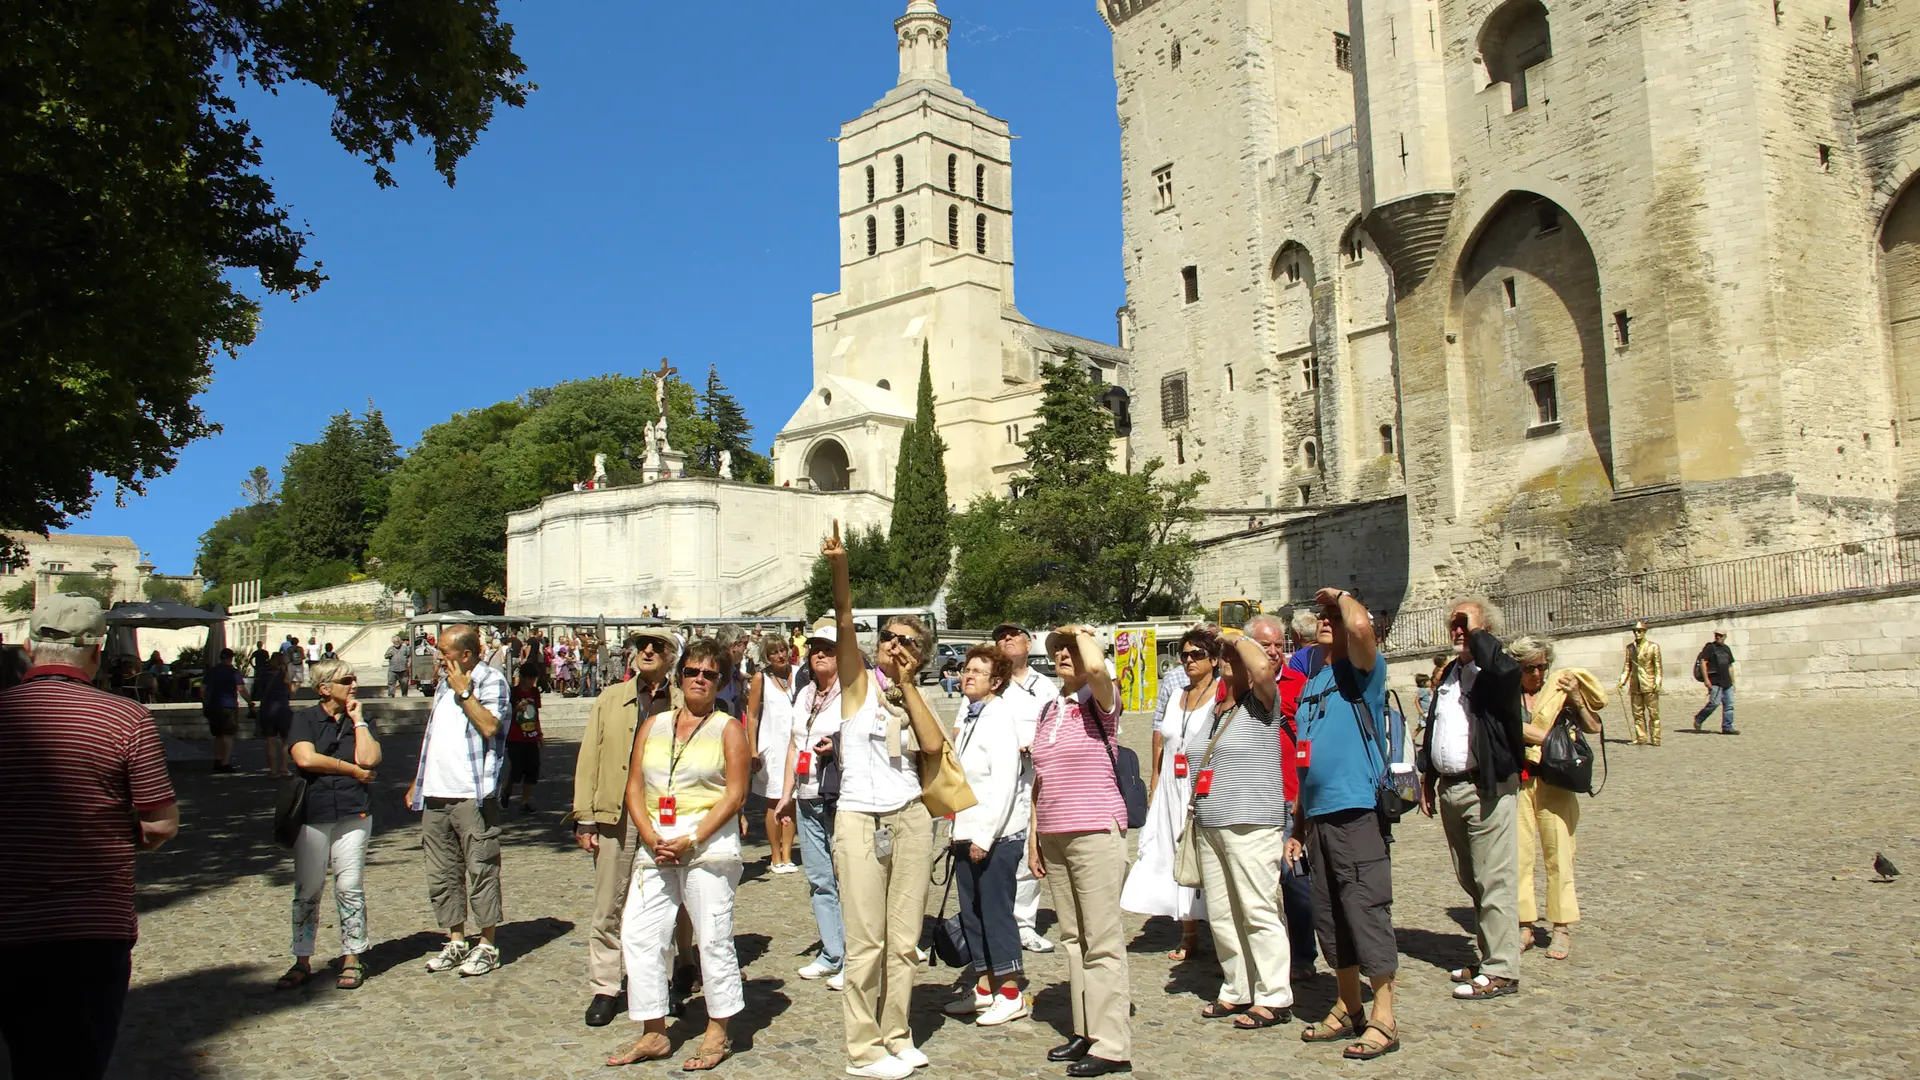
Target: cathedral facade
(1496, 295)
(926, 261)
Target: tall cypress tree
(919, 538)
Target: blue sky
(668, 191)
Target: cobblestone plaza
(1730, 930)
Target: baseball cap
(68, 619)
(824, 632)
(1009, 628)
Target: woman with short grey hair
(1548, 814)
(334, 748)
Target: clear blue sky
(668, 191)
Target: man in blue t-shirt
(1339, 829)
(220, 698)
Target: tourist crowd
(1280, 763)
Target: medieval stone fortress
(1604, 309)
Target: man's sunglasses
(649, 645)
(701, 673)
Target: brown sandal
(1362, 1050)
(1324, 1031)
(636, 1053)
(1220, 1010)
(708, 1057)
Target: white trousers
(646, 936)
(341, 845)
(1240, 874)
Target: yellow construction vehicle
(1236, 611)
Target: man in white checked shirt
(456, 788)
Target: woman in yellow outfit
(1549, 814)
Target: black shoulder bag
(1566, 758)
(290, 805)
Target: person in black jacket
(1470, 774)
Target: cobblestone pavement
(1730, 931)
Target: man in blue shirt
(220, 697)
(1340, 830)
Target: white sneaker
(970, 1005)
(1033, 942)
(451, 955)
(837, 981)
(887, 1068)
(912, 1058)
(817, 970)
(1003, 1010)
(483, 959)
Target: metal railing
(1788, 576)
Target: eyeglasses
(649, 645)
(703, 674)
(345, 680)
(1191, 655)
(1530, 668)
(904, 639)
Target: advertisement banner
(1134, 657)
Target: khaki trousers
(1646, 716)
(1548, 816)
(612, 873)
(1241, 865)
(881, 904)
(1086, 870)
(1486, 859)
(462, 842)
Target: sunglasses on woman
(345, 680)
(904, 639)
(1531, 668)
(703, 674)
(1191, 655)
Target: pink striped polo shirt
(1077, 788)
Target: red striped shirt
(76, 768)
(1078, 792)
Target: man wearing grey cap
(83, 785)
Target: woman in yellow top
(1549, 814)
(685, 787)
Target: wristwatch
(463, 696)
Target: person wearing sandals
(1470, 775)
(1549, 813)
(989, 840)
(1340, 831)
(1240, 810)
(1179, 737)
(686, 783)
(1078, 844)
(884, 836)
(336, 752)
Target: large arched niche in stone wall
(828, 466)
(1899, 256)
(1531, 341)
(1292, 277)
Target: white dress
(776, 734)
(1150, 888)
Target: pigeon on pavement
(1884, 867)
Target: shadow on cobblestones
(167, 1022)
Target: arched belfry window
(953, 226)
(873, 235)
(899, 173)
(869, 183)
(1514, 38)
(980, 182)
(953, 173)
(980, 234)
(899, 225)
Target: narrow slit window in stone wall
(1190, 283)
(953, 226)
(1310, 453)
(1513, 297)
(899, 226)
(1342, 51)
(899, 173)
(980, 234)
(953, 173)
(1179, 449)
(1173, 398)
(1546, 398)
(873, 235)
(1622, 323)
(1163, 188)
(980, 182)
(1386, 439)
(1173, 54)
(869, 183)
